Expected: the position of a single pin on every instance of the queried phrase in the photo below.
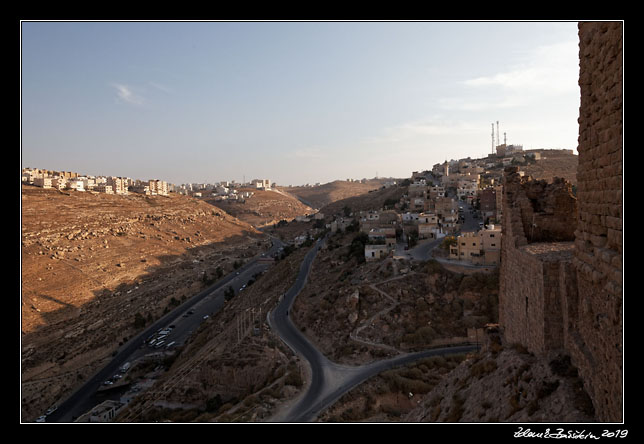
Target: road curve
(329, 381)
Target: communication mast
(505, 140)
(497, 133)
(492, 137)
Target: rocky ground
(554, 163)
(96, 268)
(508, 384)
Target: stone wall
(561, 263)
(594, 321)
(537, 250)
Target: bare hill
(553, 163)
(91, 262)
(321, 195)
(373, 200)
(264, 207)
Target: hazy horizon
(294, 102)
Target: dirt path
(354, 335)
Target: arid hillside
(321, 195)
(371, 200)
(507, 384)
(92, 263)
(554, 163)
(263, 208)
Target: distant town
(223, 190)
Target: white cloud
(548, 70)
(422, 128)
(126, 94)
(473, 104)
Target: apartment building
(59, 183)
(383, 236)
(104, 188)
(377, 219)
(43, 182)
(487, 200)
(418, 189)
(75, 184)
(491, 244)
(478, 247)
(158, 187)
(261, 184)
(119, 184)
(467, 187)
(340, 224)
(428, 226)
(436, 191)
(446, 206)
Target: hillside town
(457, 202)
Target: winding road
(205, 302)
(329, 381)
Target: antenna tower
(497, 132)
(492, 138)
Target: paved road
(206, 302)
(329, 381)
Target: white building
(261, 184)
(75, 184)
(43, 182)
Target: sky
(293, 102)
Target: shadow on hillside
(121, 303)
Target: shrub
(294, 378)
(483, 368)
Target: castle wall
(595, 333)
(537, 249)
(561, 265)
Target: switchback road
(329, 381)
